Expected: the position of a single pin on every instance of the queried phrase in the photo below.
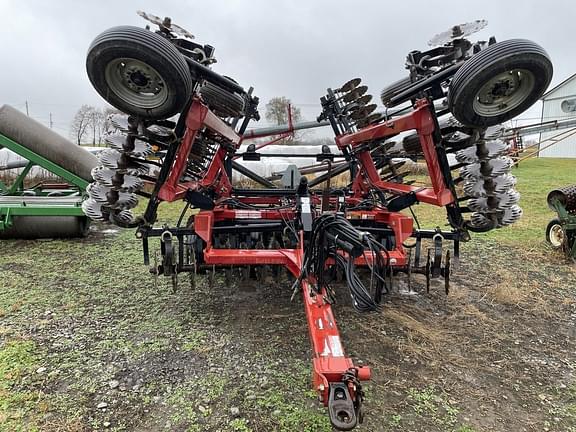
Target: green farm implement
(42, 210)
(561, 231)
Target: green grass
(536, 177)
(18, 406)
(432, 404)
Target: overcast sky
(281, 48)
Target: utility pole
(51, 121)
(27, 113)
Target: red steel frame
(329, 359)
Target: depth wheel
(499, 83)
(139, 72)
(555, 234)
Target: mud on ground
(89, 343)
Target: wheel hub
(504, 92)
(138, 79)
(136, 82)
(557, 236)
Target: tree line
(91, 124)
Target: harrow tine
(154, 270)
(211, 277)
(174, 279)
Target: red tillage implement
(319, 231)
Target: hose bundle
(333, 237)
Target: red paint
(329, 359)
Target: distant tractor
(561, 231)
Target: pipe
(275, 130)
(45, 142)
(14, 165)
(252, 175)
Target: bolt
(321, 387)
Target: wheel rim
(136, 83)
(504, 92)
(556, 236)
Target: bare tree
(106, 127)
(97, 120)
(91, 124)
(81, 123)
(277, 111)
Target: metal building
(559, 104)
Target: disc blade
(457, 31)
(477, 188)
(364, 100)
(368, 120)
(510, 215)
(129, 145)
(159, 132)
(123, 217)
(482, 152)
(150, 17)
(363, 112)
(123, 122)
(490, 168)
(117, 181)
(500, 201)
(94, 210)
(349, 85)
(121, 162)
(181, 32)
(111, 198)
(482, 221)
(355, 93)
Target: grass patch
(536, 177)
(430, 403)
(18, 406)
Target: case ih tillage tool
(455, 92)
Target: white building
(559, 103)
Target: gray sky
(281, 48)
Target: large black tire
(394, 89)
(499, 82)
(221, 101)
(139, 72)
(555, 234)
